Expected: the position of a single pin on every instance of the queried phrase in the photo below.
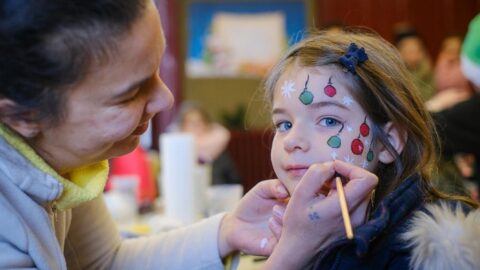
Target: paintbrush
(344, 207)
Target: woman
(79, 85)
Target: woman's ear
(19, 121)
(397, 139)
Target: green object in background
(471, 52)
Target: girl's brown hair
(383, 87)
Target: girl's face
(108, 111)
(317, 120)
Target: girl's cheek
(353, 145)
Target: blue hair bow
(353, 57)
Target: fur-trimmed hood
(444, 238)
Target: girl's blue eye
(284, 126)
(329, 122)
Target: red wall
(432, 19)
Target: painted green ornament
(334, 142)
(370, 155)
(306, 97)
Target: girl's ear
(20, 122)
(396, 138)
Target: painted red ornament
(330, 90)
(357, 147)
(364, 129)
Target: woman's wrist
(285, 256)
(224, 235)
(285, 259)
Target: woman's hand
(313, 219)
(246, 228)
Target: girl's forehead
(326, 82)
(300, 74)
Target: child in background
(211, 141)
(345, 104)
(415, 56)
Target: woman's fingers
(278, 213)
(271, 189)
(316, 181)
(275, 227)
(353, 172)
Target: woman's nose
(161, 98)
(296, 139)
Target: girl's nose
(296, 140)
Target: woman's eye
(329, 122)
(129, 99)
(283, 126)
(132, 97)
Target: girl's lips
(296, 170)
(141, 129)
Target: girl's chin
(291, 187)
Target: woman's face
(318, 125)
(108, 111)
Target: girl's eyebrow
(320, 104)
(278, 111)
(315, 106)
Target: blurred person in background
(211, 141)
(458, 126)
(451, 86)
(415, 56)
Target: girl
(82, 85)
(347, 98)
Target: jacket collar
(394, 208)
(391, 210)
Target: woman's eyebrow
(132, 87)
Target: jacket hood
(444, 237)
(37, 179)
(41, 187)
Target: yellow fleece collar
(84, 184)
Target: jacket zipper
(53, 209)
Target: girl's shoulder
(444, 235)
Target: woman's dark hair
(47, 46)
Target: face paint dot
(306, 97)
(330, 90)
(357, 147)
(334, 142)
(349, 159)
(263, 243)
(347, 100)
(364, 129)
(370, 155)
(364, 164)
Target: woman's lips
(141, 129)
